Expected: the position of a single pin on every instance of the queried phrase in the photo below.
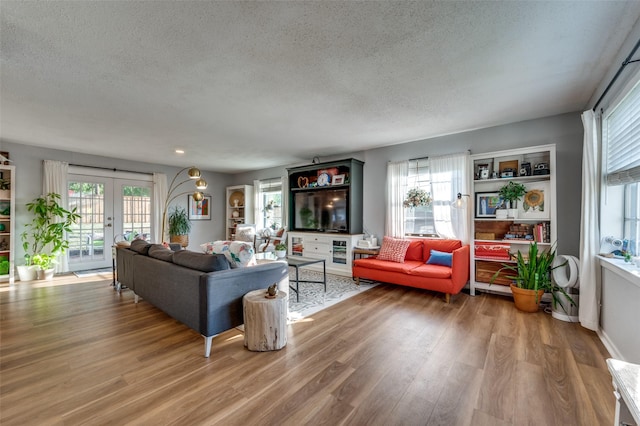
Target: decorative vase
(512, 213)
(501, 213)
(235, 213)
(26, 273)
(526, 300)
(45, 274)
(281, 253)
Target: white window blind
(621, 131)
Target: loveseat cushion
(158, 251)
(200, 261)
(393, 249)
(414, 251)
(441, 245)
(431, 271)
(238, 253)
(140, 246)
(385, 265)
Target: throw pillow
(393, 249)
(140, 246)
(238, 253)
(440, 258)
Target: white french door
(110, 208)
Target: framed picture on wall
(199, 210)
(487, 203)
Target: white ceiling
(244, 85)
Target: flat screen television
(322, 210)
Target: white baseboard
(613, 350)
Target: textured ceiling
(244, 85)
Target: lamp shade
(201, 184)
(194, 173)
(459, 202)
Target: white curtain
(257, 205)
(54, 179)
(449, 176)
(160, 190)
(589, 311)
(285, 202)
(397, 173)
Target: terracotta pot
(526, 300)
(183, 240)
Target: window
(419, 220)
(620, 135)
(632, 217)
(270, 198)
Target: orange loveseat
(414, 272)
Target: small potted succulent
(281, 250)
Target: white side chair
(273, 241)
(246, 232)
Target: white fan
(567, 278)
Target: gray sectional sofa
(200, 290)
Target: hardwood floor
(73, 351)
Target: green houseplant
(281, 250)
(44, 237)
(531, 277)
(179, 226)
(511, 193)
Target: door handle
(108, 225)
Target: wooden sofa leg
(357, 280)
(447, 298)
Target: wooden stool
(265, 321)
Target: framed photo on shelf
(199, 210)
(486, 204)
(337, 180)
(535, 202)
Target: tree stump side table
(265, 321)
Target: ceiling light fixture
(179, 151)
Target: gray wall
(28, 162)
(563, 130)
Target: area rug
(312, 295)
(92, 272)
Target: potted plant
(511, 193)
(179, 226)
(5, 188)
(281, 250)
(44, 264)
(531, 278)
(44, 238)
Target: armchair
(272, 241)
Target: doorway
(111, 208)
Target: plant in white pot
(44, 238)
(281, 250)
(512, 192)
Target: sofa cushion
(140, 246)
(440, 258)
(431, 271)
(158, 251)
(414, 251)
(200, 261)
(441, 245)
(385, 265)
(393, 249)
(238, 253)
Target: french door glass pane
(136, 212)
(86, 242)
